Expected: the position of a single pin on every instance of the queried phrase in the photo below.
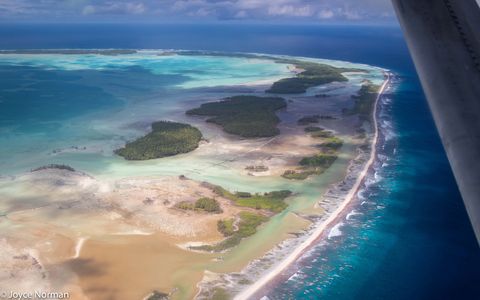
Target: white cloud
(290, 10)
(132, 8)
(201, 12)
(351, 14)
(135, 8)
(325, 14)
(283, 10)
(186, 4)
(241, 14)
(88, 10)
(250, 4)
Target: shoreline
(293, 256)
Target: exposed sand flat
(106, 265)
(86, 219)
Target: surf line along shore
(292, 257)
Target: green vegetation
(365, 100)
(311, 129)
(320, 162)
(203, 204)
(246, 116)
(318, 132)
(166, 139)
(208, 205)
(54, 166)
(332, 144)
(225, 227)
(248, 221)
(324, 134)
(247, 226)
(308, 120)
(298, 175)
(314, 74)
(272, 201)
(313, 165)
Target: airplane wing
(444, 39)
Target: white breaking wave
(293, 277)
(377, 176)
(335, 231)
(382, 157)
(352, 213)
(361, 195)
(387, 130)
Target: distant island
(166, 139)
(246, 116)
(312, 74)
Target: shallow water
(86, 105)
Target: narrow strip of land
(278, 269)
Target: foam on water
(335, 231)
(352, 214)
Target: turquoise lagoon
(76, 109)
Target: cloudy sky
(358, 11)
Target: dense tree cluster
(247, 226)
(272, 201)
(314, 74)
(166, 139)
(365, 100)
(203, 204)
(246, 116)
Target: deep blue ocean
(412, 238)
